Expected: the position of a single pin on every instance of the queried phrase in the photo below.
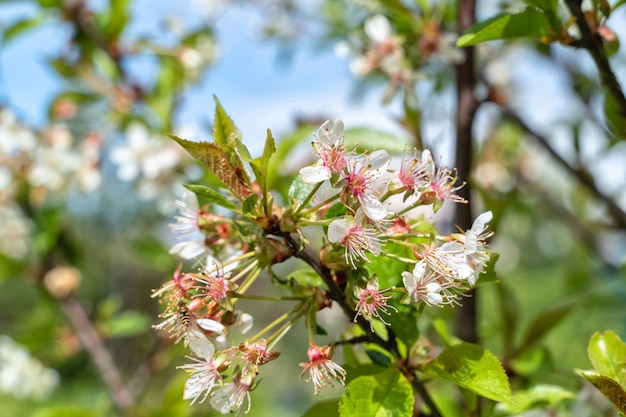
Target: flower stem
(308, 198)
(322, 204)
(265, 297)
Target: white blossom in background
(22, 375)
(15, 231)
(147, 159)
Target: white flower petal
(372, 207)
(378, 28)
(212, 326)
(338, 229)
(200, 345)
(315, 174)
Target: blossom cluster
(390, 54)
(22, 375)
(366, 204)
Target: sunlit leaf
(216, 161)
(385, 394)
(531, 23)
(474, 368)
(607, 353)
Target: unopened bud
(62, 280)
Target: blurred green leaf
(213, 196)
(378, 358)
(551, 9)
(20, 27)
(531, 23)
(538, 396)
(614, 120)
(609, 388)
(607, 353)
(326, 408)
(128, 323)
(367, 139)
(474, 368)
(542, 324)
(387, 393)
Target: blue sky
(256, 89)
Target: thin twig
(616, 212)
(101, 357)
(593, 43)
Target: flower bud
(62, 280)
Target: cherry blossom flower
(191, 242)
(232, 396)
(363, 181)
(438, 184)
(322, 369)
(412, 172)
(331, 151)
(355, 236)
(467, 257)
(371, 302)
(422, 285)
(205, 371)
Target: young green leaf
(607, 353)
(609, 388)
(216, 161)
(531, 23)
(474, 368)
(385, 394)
(224, 130)
(212, 196)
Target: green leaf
(216, 161)
(542, 324)
(474, 368)
(224, 130)
(609, 388)
(538, 396)
(378, 358)
(367, 139)
(299, 190)
(327, 408)
(616, 123)
(531, 23)
(213, 196)
(230, 140)
(607, 353)
(20, 27)
(404, 327)
(386, 394)
(551, 9)
(489, 276)
(249, 204)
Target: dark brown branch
(593, 43)
(466, 110)
(616, 212)
(101, 357)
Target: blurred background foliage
(86, 191)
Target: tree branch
(593, 43)
(466, 110)
(616, 212)
(101, 357)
